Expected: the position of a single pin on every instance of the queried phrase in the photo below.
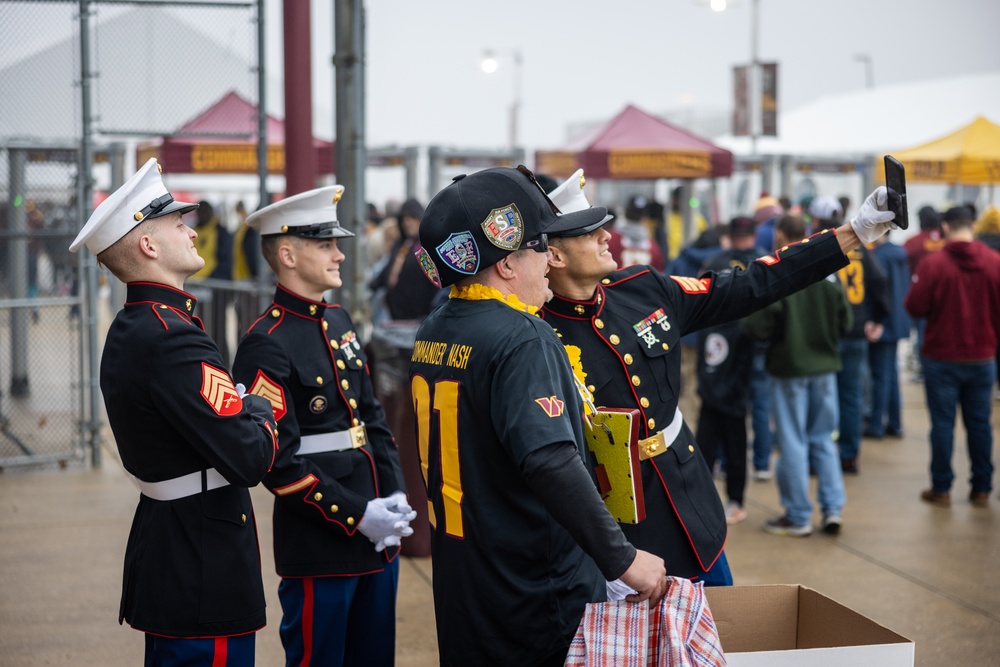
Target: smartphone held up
(895, 182)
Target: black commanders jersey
(491, 384)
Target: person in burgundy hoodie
(958, 291)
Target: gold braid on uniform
(478, 292)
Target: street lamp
(753, 79)
(490, 64)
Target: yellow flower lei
(573, 352)
(478, 292)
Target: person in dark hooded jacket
(409, 295)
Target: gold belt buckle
(652, 446)
(359, 437)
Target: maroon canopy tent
(214, 144)
(635, 145)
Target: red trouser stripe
(307, 621)
(221, 648)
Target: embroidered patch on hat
(267, 388)
(552, 405)
(427, 266)
(459, 251)
(218, 391)
(504, 228)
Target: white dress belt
(334, 441)
(183, 486)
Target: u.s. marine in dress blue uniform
(192, 578)
(628, 332)
(336, 454)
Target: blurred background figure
(884, 418)
(765, 214)
(928, 240)
(214, 244)
(675, 223)
(406, 291)
(246, 243)
(987, 230)
(631, 243)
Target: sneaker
(735, 512)
(980, 498)
(762, 475)
(782, 526)
(939, 498)
(831, 524)
(894, 433)
(849, 466)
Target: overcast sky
(585, 60)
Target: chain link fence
(128, 80)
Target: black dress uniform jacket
(306, 358)
(629, 336)
(192, 565)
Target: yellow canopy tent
(970, 156)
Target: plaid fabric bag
(678, 632)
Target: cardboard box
(791, 626)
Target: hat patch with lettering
(459, 251)
(504, 227)
(427, 265)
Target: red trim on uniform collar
(298, 304)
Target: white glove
(398, 503)
(241, 389)
(390, 541)
(381, 522)
(618, 590)
(873, 218)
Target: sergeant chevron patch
(272, 391)
(218, 391)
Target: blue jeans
(853, 353)
(882, 357)
(947, 385)
(805, 414)
(760, 402)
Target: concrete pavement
(927, 573)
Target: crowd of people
(548, 333)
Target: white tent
(874, 121)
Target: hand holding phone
(895, 182)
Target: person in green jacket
(803, 359)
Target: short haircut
(792, 227)
(121, 258)
(269, 247)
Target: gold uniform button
(635, 380)
(666, 347)
(275, 313)
(591, 388)
(344, 384)
(690, 448)
(244, 518)
(326, 325)
(359, 363)
(353, 403)
(340, 364)
(318, 497)
(162, 307)
(275, 433)
(628, 359)
(334, 509)
(334, 345)
(599, 323)
(605, 281)
(579, 309)
(651, 423)
(319, 380)
(350, 521)
(614, 339)
(644, 402)
(355, 421)
(312, 309)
